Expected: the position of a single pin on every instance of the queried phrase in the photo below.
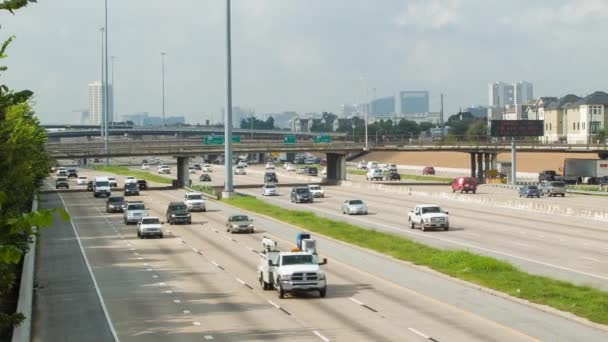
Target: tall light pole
(228, 187)
(113, 88)
(105, 89)
(101, 121)
(162, 61)
(365, 108)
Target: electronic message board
(517, 128)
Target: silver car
(239, 223)
(354, 207)
(552, 188)
(270, 190)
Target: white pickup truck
(291, 272)
(134, 211)
(428, 216)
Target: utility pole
(228, 186)
(162, 58)
(441, 116)
(105, 89)
(113, 88)
(102, 114)
(365, 109)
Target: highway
(200, 283)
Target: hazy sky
(302, 55)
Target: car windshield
(270, 186)
(302, 191)
(240, 218)
(314, 187)
(82, 177)
(138, 206)
(131, 186)
(194, 197)
(62, 179)
(532, 187)
(179, 207)
(150, 221)
(355, 202)
(305, 259)
(116, 199)
(431, 210)
(270, 175)
(102, 183)
(558, 184)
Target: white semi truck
(291, 272)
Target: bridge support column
(336, 166)
(84, 161)
(183, 174)
(486, 159)
(479, 166)
(494, 161)
(54, 139)
(473, 168)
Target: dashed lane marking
(323, 338)
(274, 304)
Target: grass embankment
(585, 187)
(583, 301)
(125, 171)
(405, 176)
(205, 188)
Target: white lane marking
(155, 276)
(356, 301)
(131, 249)
(135, 253)
(249, 248)
(418, 333)
(471, 234)
(168, 291)
(240, 281)
(214, 263)
(195, 250)
(161, 284)
(521, 244)
(186, 311)
(592, 259)
(274, 304)
(145, 264)
(196, 323)
(208, 337)
(97, 290)
(177, 301)
(140, 258)
(323, 338)
(149, 269)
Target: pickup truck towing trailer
(591, 170)
(428, 216)
(290, 272)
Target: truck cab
(134, 211)
(428, 216)
(101, 187)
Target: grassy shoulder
(583, 301)
(125, 171)
(408, 176)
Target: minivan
(465, 184)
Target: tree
(479, 128)
(257, 124)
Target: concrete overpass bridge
(483, 155)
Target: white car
(149, 226)
(390, 168)
(362, 165)
(240, 170)
(82, 180)
(195, 201)
(130, 180)
(164, 169)
(374, 174)
(145, 166)
(324, 171)
(270, 166)
(242, 163)
(350, 207)
(270, 190)
(207, 168)
(316, 191)
(113, 182)
(290, 168)
(191, 169)
(287, 164)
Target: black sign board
(517, 128)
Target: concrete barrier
(26, 289)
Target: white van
(101, 186)
(372, 165)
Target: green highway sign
(214, 140)
(236, 139)
(322, 139)
(289, 139)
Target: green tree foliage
(465, 124)
(24, 164)
(326, 124)
(258, 124)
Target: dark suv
(312, 171)
(392, 176)
(62, 183)
(72, 173)
(131, 189)
(547, 175)
(142, 184)
(299, 195)
(115, 204)
(177, 212)
(270, 177)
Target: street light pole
(105, 89)
(228, 187)
(102, 114)
(113, 88)
(365, 109)
(162, 58)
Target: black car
(271, 177)
(301, 194)
(312, 171)
(197, 167)
(72, 174)
(90, 186)
(177, 212)
(204, 178)
(115, 204)
(142, 184)
(392, 176)
(131, 189)
(62, 183)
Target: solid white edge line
(418, 333)
(86, 261)
(356, 301)
(214, 263)
(323, 338)
(240, 281)
(274, 304)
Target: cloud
(429, 14)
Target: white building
(524, 92)
(500, 94)
(96, 105)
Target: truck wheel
(474, 191)
(563, 195)
(323, 292)
(161, 235)
(281, 292)
(412, 226)
(446, 228)
(422, 227)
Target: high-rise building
(413, 102)
(82, 115)
(524, 92)
(96, 105)
(501, 94)
(384, 106)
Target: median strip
(125, 171)
(583, 301)
(405, 176)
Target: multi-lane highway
(199, 283)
